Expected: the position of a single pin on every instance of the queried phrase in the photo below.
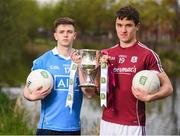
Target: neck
(64, 51)
(127, 44)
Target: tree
(16, 19)
(91, 16)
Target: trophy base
(88, 85)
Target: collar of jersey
(55, 52)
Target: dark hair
(128, 12)
(63, 20)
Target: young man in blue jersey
(55, 117)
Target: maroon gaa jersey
(124, 108)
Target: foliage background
(26, 31)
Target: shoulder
(114, 47)
(41, 60)
(142, 47)
(45, 56)
(111, 49)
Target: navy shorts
(52, 132)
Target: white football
(39, 78)
(146, 80)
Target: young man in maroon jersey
(125, 111)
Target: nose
(65, 34)
(124, 29)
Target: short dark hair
(128, 12)
(63, 20)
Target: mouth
(65, 40)
(123, 35)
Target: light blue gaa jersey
(54, 114)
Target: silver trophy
(89, 65)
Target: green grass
(12, 122)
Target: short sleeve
(153, 62)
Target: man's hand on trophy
(98, 56)
(104, 59)
(76, 57)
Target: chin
(126, 40)
(66, 45)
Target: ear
(75, 34)
(138, 26)
(55, 36)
